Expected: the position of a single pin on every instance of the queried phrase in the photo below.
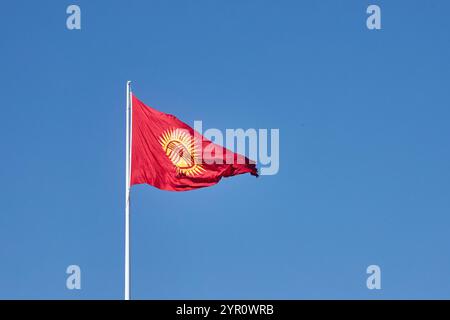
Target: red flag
(170, 155)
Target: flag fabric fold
(168, 154)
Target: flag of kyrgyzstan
(170, 155)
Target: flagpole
(127, 192)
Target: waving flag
(170, 155)
(166, 153)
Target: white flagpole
(127, 192)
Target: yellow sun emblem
(179, 146)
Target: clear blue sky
(364, 128)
